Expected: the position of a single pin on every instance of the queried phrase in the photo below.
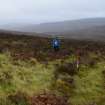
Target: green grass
(32, 77)
(89, 85)
(23, 76)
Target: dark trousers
(56, 48)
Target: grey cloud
(37, 11)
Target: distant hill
(65, 26)
(57, 27)
(96, 32)
(83, 28)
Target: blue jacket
(55, 43)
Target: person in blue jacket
(56, 44)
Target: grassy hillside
(31, 75)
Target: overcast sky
(39, 11)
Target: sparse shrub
(19, 98)
(64, 78)
(68, 68)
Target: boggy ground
(31, 73)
